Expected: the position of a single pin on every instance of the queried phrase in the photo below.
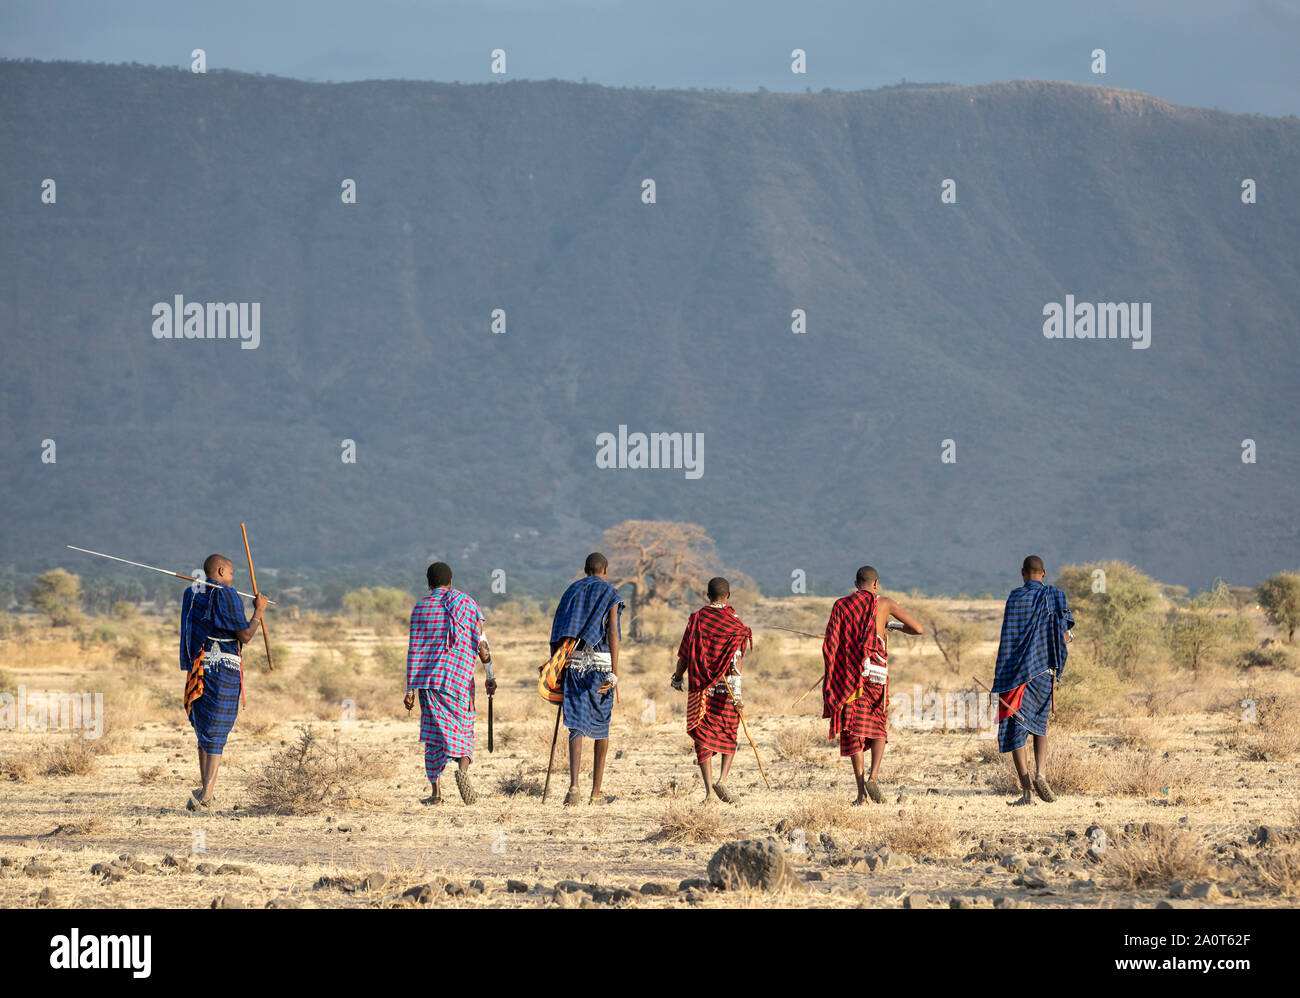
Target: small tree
(1280, 598)
(953, 637)
(57, 595)
(1116, 609)
(359, 602)
(1202, 627)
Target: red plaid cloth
(716, 730)
(850, 637)
(709, 645)
(864, 719)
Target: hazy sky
(1238, 55)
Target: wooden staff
(551, 762)
(741, 712)
(252, 577)
(489, 722)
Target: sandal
(723, 793)
(465, 787)
(572, 797)
(873, 791)
(1043, 790)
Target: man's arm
(910, 624)
(485, 656)
(246, 635)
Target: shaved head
(596, 563)
(866, 576)
(1033, 565)
(719, 588)
(212, 561)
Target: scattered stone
(226, 901)
(478, 887)
(890, 860)
(606, 895)
(1178, 889)
(38, 870)
(1006, 902)
(207, 869)
(575, 887)
(423, 894)
(182, 863)
(519, 887)
(1207, 891)
(374, 882)
(47, 898)
(694, 884)
(960, 903)
(918, 901)
(828, 842)
(1034, 878)
(282, 903)
(657, 890)
(759, 863)
(1163, 904)
(1014, 862)
(1268, 835)
(814, 875)
(231, 870)
(344, 828)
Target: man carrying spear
(213, 633)
(710, 653)
(855, 691)
(1031, 657)
(446, 638)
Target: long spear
(164, 571)
(893, 625)
(252, 576)
(806, 634)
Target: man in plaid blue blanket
(589, 615)
(1031, 657)
(446, 645)
(213, 634)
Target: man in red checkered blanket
(855, 691)
(710, 652)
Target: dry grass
(1075, 767)
(921, 832)
(826, 813)
(1160, 858)
(1148, 733)
(797, 744)
(17, 768)
(695, 823)
(77, 756)
(151, 775)
(310, 775)
(519, 782)
(1277, 870)
(1275, 735)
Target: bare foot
(1020, 802)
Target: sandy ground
(952, 839)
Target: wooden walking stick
(551, 762)
(741, 712)
(252, 577)
(489, 722)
